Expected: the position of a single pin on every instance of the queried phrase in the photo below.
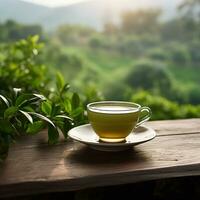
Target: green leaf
(17, 123)
(77, 112)
(60, 82)
(17, 91)
(10, 112)
(42, 117)
(39, 96)
(26, 99)
(53, 135)
(66, 87)
(59, 123)
(30, 119)
(66, 128)
(75, 101)
(55, 109)
(34, 38)
(6, 127)
(67, 105)
(4, 100)
(28, 109)
(46, 107)
(64, 117)
(22, 99)
(35, 127)
(32, 101)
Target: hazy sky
(55, 3)
(140, 3)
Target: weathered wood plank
(164, 127)
(70, 166)
(172, 127)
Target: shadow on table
(86, 155)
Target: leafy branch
(29, 113)
(24, 110)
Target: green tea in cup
(113, 121)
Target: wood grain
(168, 127)
(34, 167)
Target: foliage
(165, 109)
(83, 54)
(12, 31)
(73, 34)
(145, 21)
(158, 54)
(38, 106)
(29, 113)
(15, 116)
(91, 94)
(194, 95)
(194, 50)
(55, 57)
(19, 68)
(120, 91)
(152, 76)
(97, 41)
(110, 28)
(179, 53)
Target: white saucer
(86, 135)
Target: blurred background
(145, 51)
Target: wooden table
(34, 167)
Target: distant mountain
(93, 13)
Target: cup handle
(146, 117)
